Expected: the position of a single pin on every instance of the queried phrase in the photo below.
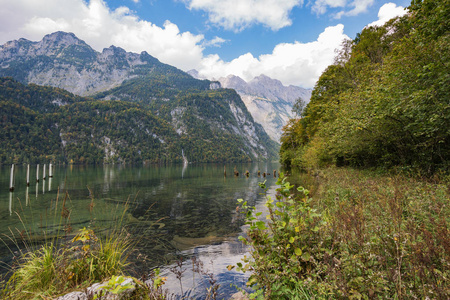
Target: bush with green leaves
(286, 248)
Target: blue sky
(290, 40)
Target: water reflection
(214, 259)
(185, 165)
(10, 202)
(27, 197)
(183, 210)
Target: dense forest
(50, 124)
(385, 100)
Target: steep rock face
(268, 100)
(62, 60)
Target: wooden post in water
(11, 179)
(37, 173)
(28, 175)
(50, 171)
(45, 176)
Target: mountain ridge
(210, 123)
(61, 59)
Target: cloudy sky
(290, 40)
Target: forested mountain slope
(204, 119)
(385, 101)
(50, 124)
(144, 110)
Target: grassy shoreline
(360, 235)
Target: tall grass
(391, 233)
(65, 261)
(53, 270)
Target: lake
(174, 212)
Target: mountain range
(138, 109)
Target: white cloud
(291, 63)
(387, 12)
(100, 27)
(215, 42)
(239, 14)
(357, 7)
(320, 6)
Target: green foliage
(115, 286)
(385, 100)
(361, 236)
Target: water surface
(175, 213)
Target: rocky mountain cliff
(62, 60)
(201, 121)
(268, 100)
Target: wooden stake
(50, 170)
(28, 175)
(45, 176)
(11, 179)
(37, 173)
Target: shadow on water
(176, 211)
